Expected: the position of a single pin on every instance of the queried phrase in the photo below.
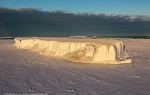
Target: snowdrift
(77, 50)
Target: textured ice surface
(78, 50)
(22, 71)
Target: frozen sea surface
(25, 72)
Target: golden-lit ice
(77, 49)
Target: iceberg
(86, 50)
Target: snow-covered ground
(24, 72)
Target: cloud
(35, 22)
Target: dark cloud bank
(35, 22)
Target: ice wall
(77, 50)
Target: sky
(74, 17)
(133, 7)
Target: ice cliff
(77, 50)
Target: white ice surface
(22, 71)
